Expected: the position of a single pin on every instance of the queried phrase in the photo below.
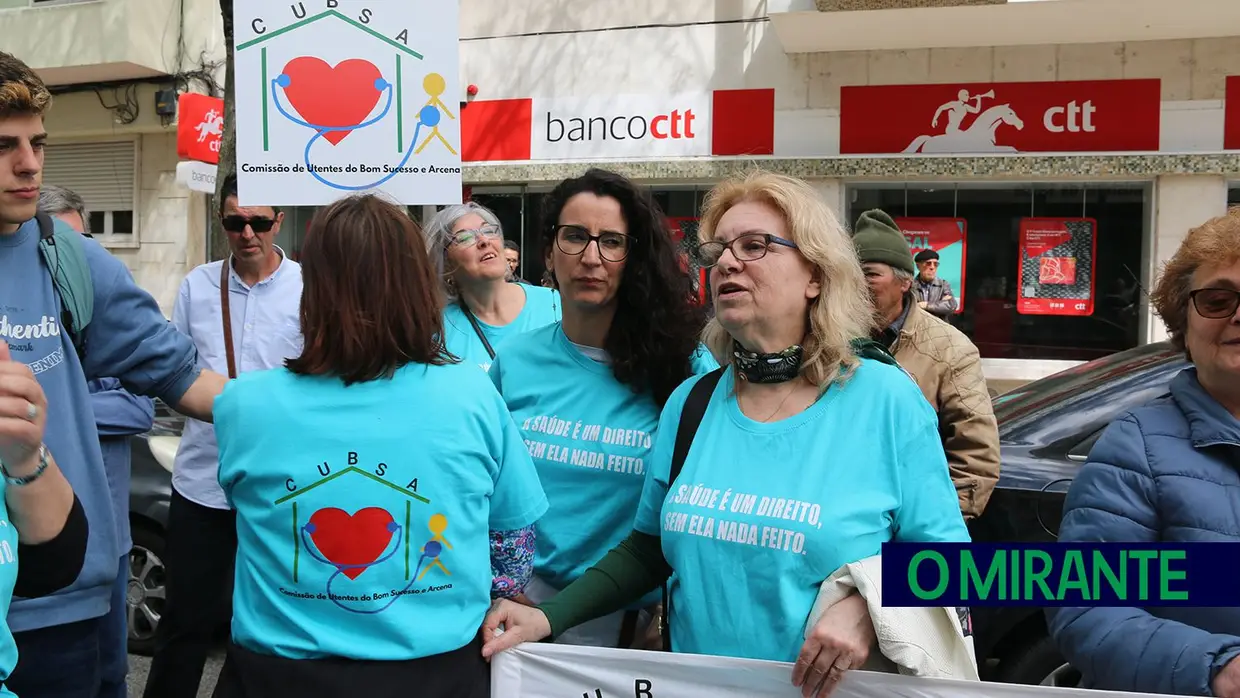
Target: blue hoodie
(118, 415)
(128, 338)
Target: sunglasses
(237, 224)
(1215, 303)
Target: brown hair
(1215, 243)
(21, 91)
(371, 302)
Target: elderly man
(940, 358)
(118, 415)
(934, 293)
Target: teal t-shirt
(762, 513)
(590, 437)
(364, 512)
(542, 307)
(8, 578)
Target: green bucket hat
(878, 239)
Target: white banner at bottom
(564, 671)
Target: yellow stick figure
(434, 84)
(437, 524)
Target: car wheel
(146, 593)
(1038, 664)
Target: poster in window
(685, 233)
(1056, 274)
(948, 237)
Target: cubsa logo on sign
(621, 127)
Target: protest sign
(565, 671)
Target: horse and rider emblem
(979, 136)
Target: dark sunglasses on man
(237, 224)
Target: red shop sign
(1231, 114)
(1057, 266)
(949, 238)
(1096, 115)
(200, 124)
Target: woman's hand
(521, 624)
(841, 640)
(23, 415)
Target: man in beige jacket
(945, 364)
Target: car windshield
(1063, 386)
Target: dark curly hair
(657, 325)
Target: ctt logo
(621, 126)
(676, 125)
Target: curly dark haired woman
(587, 391)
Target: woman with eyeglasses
(807, 456)
(466, 245)
(372, 476)
(1169, 472)
(587, 391)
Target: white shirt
(266, 330)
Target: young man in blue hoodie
(119, 415)
(127, 338)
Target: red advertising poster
(685, 232)
(948, 237)
(200, 124)
(1231, 114)
(1056, 273)
(1014, 117)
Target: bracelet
(27, 479)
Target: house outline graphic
(333, 476)
(398, 81)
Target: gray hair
(902, 274)
(54, 200)
(438, 233)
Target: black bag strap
(477, 328)
(690, 419)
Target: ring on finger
(32, 411)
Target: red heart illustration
(327, 96)
(351, 540)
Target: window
(992, 213)
(104, 174)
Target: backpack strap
(65, 258)
(691, 415)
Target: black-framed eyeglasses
(470, 237)
(237, 224)
(749, 247)
(574, 239)
(1215, 303)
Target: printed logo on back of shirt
(379, 537)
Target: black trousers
(461, 673)
(199, 557)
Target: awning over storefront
(1011, 24)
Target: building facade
(1054, 151)
(106, 62)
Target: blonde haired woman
(806, 457)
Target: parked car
(1046, 430)
(151, 459)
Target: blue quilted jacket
(1166, 471)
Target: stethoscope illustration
(429, 116)
(430, 551)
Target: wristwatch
(27, 479)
